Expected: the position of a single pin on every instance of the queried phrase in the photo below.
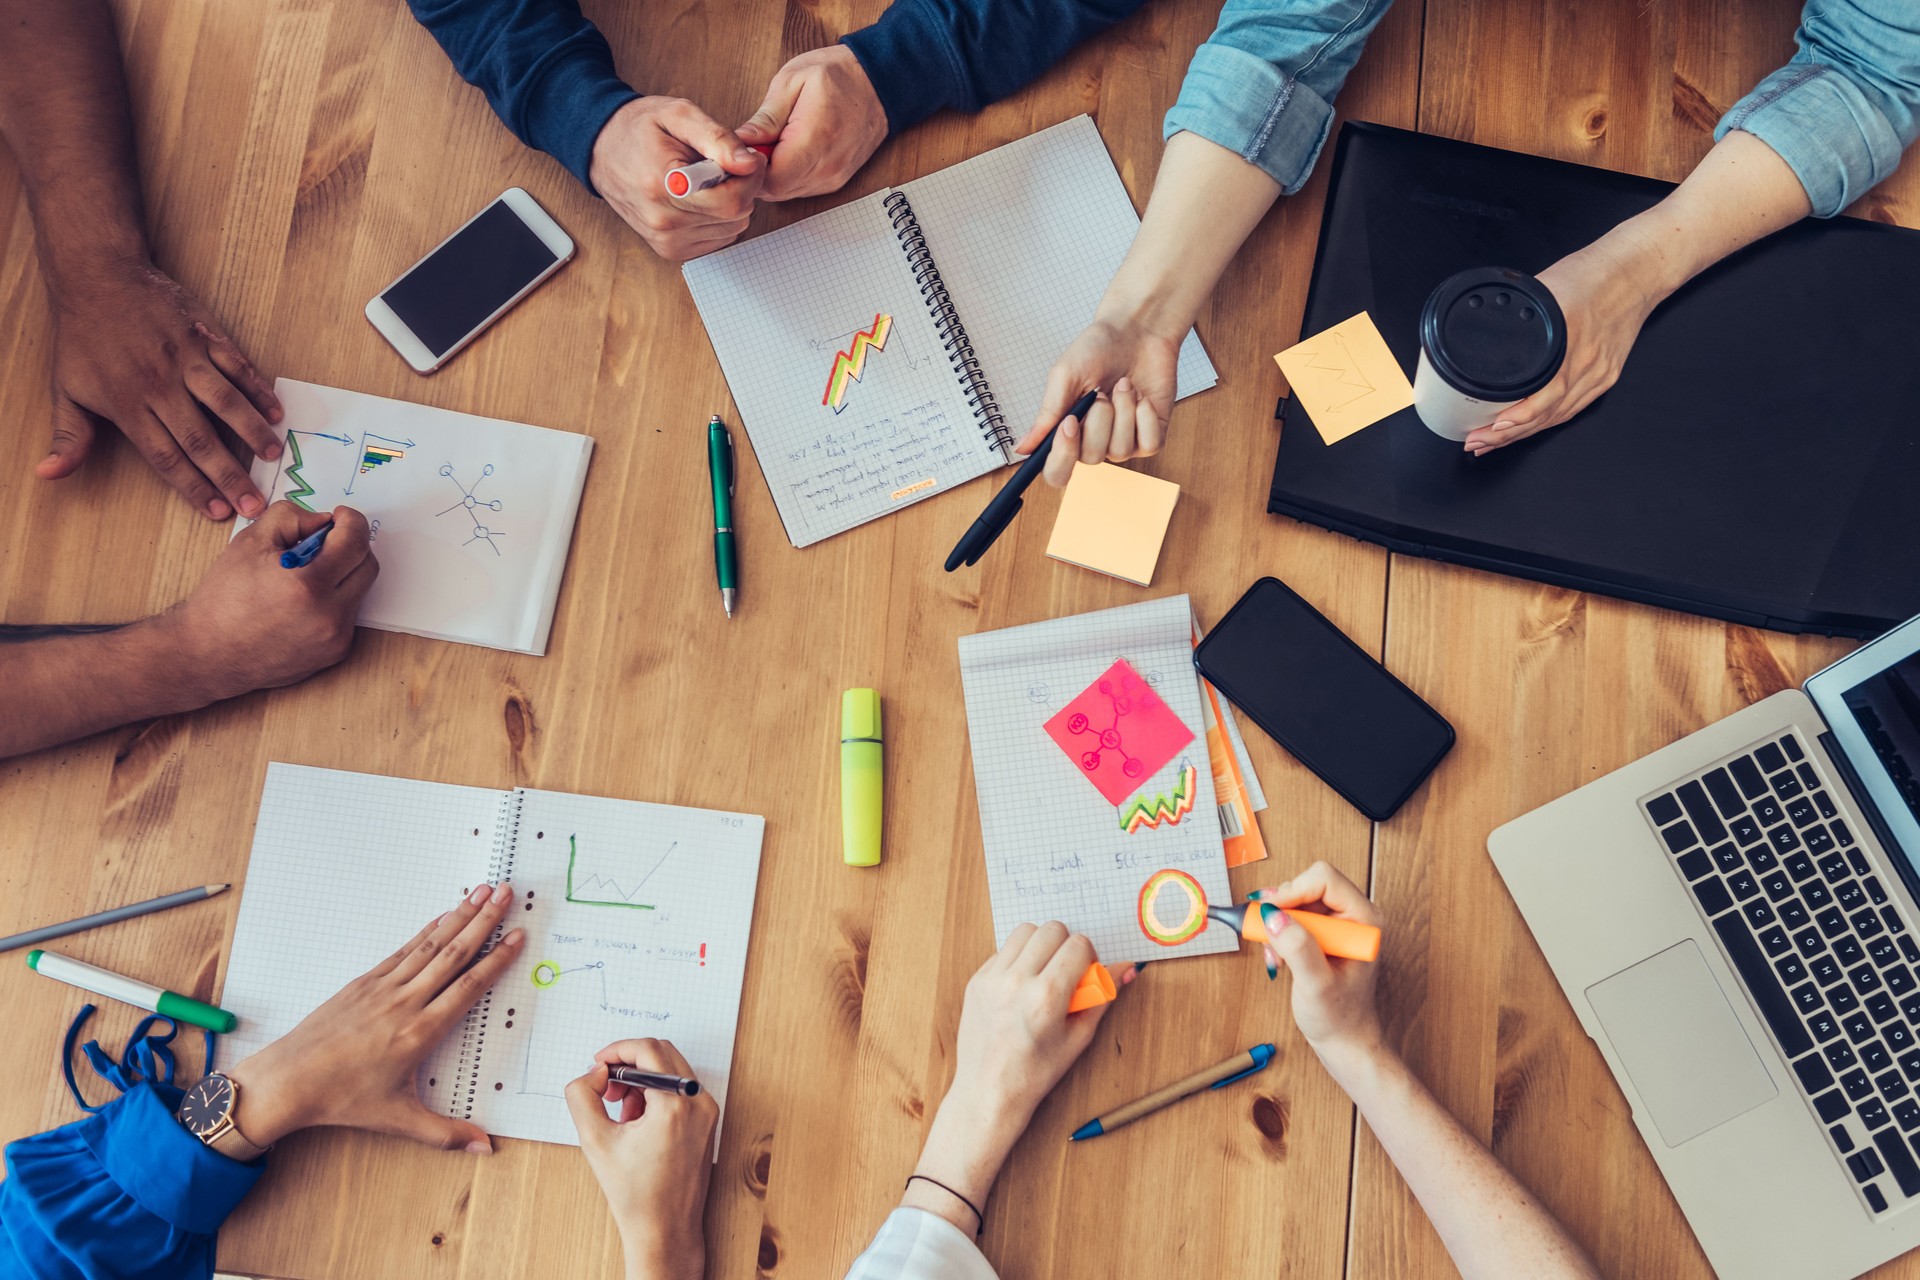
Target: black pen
(685, 1086)
(1006, 503)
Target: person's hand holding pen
(647, 137)
(352, 1061)
(251, 624)
(1333, 999)
(654, 1162)
(822, 110)
(1139, 364)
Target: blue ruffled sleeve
(127, 1194)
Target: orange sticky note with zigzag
(1345, 378)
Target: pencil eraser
(1097, 987)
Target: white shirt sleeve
(913, 1244)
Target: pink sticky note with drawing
(1118, 732)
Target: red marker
(688, 179)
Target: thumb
(409, 1118)
(1296, 949)
(766, 124)
(72, 440)
(587, 1101)
(1063, 387)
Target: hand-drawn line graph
(850, 364)
(1143, 812)
(377, 455)
(471, 503)
(1344, 381)
(299, 489)
(552, 975)
(577, 890)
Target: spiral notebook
(899, 345)
(637, 918)
(1057, 848)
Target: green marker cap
(194, 1013)
(33, 959)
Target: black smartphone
(1323, 698)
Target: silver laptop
(1733, 918)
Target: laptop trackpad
(1686, 1052)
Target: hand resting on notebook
(352, 1061)
(250, 624)
(653, 1163)
(1490, 1224)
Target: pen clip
(728, 437)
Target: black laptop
(1758, 461)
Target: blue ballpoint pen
(301, 553)
(1238, 1067)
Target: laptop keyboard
(1825, 953)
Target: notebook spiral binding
(946, 322)
(473, 1031)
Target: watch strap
(227, 1140)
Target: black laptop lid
(1758, 461)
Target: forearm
(1741, 192)
(964, 1151)
(1489, 1223)
(64, 114)
(65, 683)
(1206, 201)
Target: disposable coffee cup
(1489, 338)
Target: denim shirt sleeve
(1846, 105)
(1263, 84)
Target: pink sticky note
(1118, 732)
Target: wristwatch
(207, 1112)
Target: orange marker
(693, 178)
(1097, 987)
(1348, 939)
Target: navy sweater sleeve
(923, 55)
(546, 70)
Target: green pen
(720, 463)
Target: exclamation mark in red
(703, 955)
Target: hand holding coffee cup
(1489, 338)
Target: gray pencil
(98, 918)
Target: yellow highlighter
(860, 776)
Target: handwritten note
(853, 465)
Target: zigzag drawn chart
(848, 365)
(614, 895)
(1346, 383)
(1142, 812)
(300, 489)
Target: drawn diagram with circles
(475, 506)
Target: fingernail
(251, 506)
(1273, 918)
(481, 892)
(218, 509)
(1254, 896)
(274, 415)
(1271, 971)
(514, 939)
(1070, 429)
(271, 452)
(1501, 425)
(501, 893)
(479, 1148)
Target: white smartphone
(470, 279)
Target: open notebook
(899, 345)
(637, 918)
(472, 516)
(1057, 848)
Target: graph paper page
(637, 919)
(346, 867)
(784, 312)
(471, 516)
(1027, 237)
(1055, 847)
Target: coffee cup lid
(1494, 333)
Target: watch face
(206, 1105)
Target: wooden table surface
(298, 153)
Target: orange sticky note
(1112, 520)
(1346, 378)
